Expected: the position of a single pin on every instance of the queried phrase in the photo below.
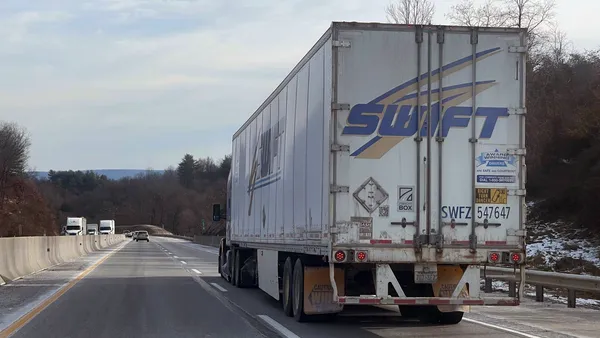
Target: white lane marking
(33, 284)
(196, 271)
(183, 262)
(500, 328)
(218, 287)
(175, 257)
(278, 327)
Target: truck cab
(92, 229)
(76, 226)
(107, 227)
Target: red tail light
(340, 256)
(494, 257)
(515, 257)
(361, 256)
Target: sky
(136, 84)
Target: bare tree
(14, 153)
(535, 15)
(410, 12)
(489, 14)
(560, 46)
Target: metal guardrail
(541, 280)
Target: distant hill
(111, 174)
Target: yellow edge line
(19, 323)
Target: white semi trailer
(340, 192)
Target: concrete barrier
(21, 256)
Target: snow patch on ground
(549, 242)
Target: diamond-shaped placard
(370, 195)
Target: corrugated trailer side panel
(280, 160)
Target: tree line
(179, 199)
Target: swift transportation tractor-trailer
(387, 168)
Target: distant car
(128, 233)
(142, 236)
(134, 235)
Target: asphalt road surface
(138, 292)
(170, 288)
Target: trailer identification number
(491, 196)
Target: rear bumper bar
(374, 300)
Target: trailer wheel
(451, 318)
(298, 292)
(234, 268)
(432, 315)
(286, 297)
(220, 259)
(409, 311)
(237, 273)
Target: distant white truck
(107, 227)
(92, 229)
(76, 226)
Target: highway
(170, 288)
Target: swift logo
(393, 115)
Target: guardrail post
(512, 289)
(488, 285)
(539, 293)
(571, 299)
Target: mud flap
(448, 278)
(318, 293)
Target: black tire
(298, 292)
(408, 311)
(220, 259)
(432, 315)
(286, 297)
(451, 318)
(238, 270)
(429, 315)
(234, 270)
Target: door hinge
(340, 43)
(440, 35)
(340, 106)
(517, 192)
(340, 147)
(339, 188)
(516, 151)
(516, 232)
(517, 49)
(517, 111)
